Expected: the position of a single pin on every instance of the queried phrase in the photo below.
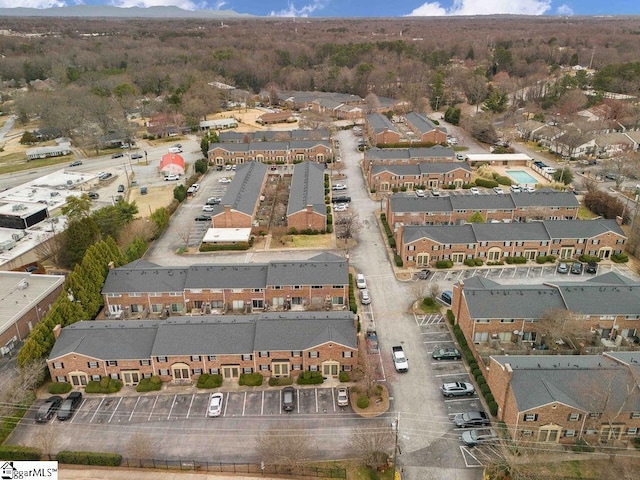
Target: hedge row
(545, 259)
(105, 385)
(280, 381)
(515, 260)
(57, 388)
(206, 380)
(353, 305)
(249, 379)
(483, 182)
(213, 247)
(89, 458)
(474, 262)
(17, 452)
(310, 378)
(151, 384)
(444, 264)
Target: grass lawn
(585, 214)
(309, 241)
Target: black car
(341, 199)
(75, 164)
(592, 268)
(48, 409)
(219, 168)
(471, 419)
(576, 268)
(69, 406)
(117, 155)
(203, 218)
(288, 398)
(448, 353)
(120, 188)
(93, 195)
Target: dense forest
(101, 68)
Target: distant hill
(93, 11)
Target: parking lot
(167, 408)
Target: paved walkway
(79, 473)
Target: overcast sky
(368, 8)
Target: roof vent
(22, 284)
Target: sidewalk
(79, 473)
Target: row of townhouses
(281, 152)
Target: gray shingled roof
(421, 122)
(521, 301)
(246, 187)
(410, 203)
(422, 168)
(437, 151)
(591, 383)
(482, 202)
(379, 123)
(403, 169)
(145, 279)
(107, 340)
(308, 273)
(307, 188)
(243, 275)
(488, 232)
(206, 335)
(604, 299)
(545, 197)
(445, 234)
(581, 228)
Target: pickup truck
(399, 359)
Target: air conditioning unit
(22, 284)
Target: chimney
(56, 331)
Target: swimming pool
(521, 176)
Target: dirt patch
(156, 197)
(247, 120)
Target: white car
(528, 189)
(498, 190)
(474, 191)
(196, 186)
(342, 396)
(360, 281)
(224, 180)
(435, 192)
(228, 168)
(419, 193)
(340, 207)
(171, 177)
(208, 208)
(215, 405)
(365, 298)
(339, 186)
(515, 188)
(175, 150)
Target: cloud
(565, 10)
(184, 4)
(304, 11)
(483, 7)
(32, 3)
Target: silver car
(477, 436)
(457, 389)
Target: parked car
(447, 296)
(208, 208)
(474, 191)
(175, 149)
(105, 176)
(457, 389)
(419, 193)
(288, 399)
(424, 274)
(498, 190)
(120, 188)
(273, 167)
(474, 437)
(515, 188)
(228, 167)
(528, 189)
(224, 180)
(341, 199)
(214, 201)
(219, 168)
(69, 406)
(171, 177)
(448, 353)
(136, 155)
(360, 281)
(203, 218)
(31, 268)
(562, 268)
(592, 268)
(48, 409)
(143, 190)
(365, 298)
(215, 405)
(196, 186)
(340, 207)
(435, 192)
(76, 163)
(93, 195)
(471, 419)
(576, 268)
(339, 186)
(117, 155)
(342, 395)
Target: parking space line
(435, 341)
(460, 399)
(172, 405)
(465, 451)
(81, 405)
(190, 404)
(97, 408)
(115, 410)
(134, 409)
(154, 406)
(244, 402)
(261, 406)
(452, 374)
(317, 406)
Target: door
(530, 254)
(604, 252)
(78, 379)
(280, 369)
(131, 378)
(231, 372)
(180, 372)
(422, 260)
(330, 369)
(457, 257)
(566, 252)
(494, 255)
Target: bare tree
(348, 225)
(47, 439)
(140, 447)
(374, 447)
(185, 235)
(558, 325)
(285, 446)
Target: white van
(360, 281)
(175, 150)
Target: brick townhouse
(380, 130)
(292, 151)
(425, 129)
(274, 135)
(240, 203)
(563, 399)
(142, 289)
(180, 349)
(306, 208)
(604, 309)
(386, 178)
(543, 204)
(406, 156)
(421, 246)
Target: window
(247, 356)
(314, 354)
(277, 287)
(196, 371)
(95, 378)
(161, 359)
(214, 371)
(264, 367)
(531, 417)
(58, 365)
(507, 320)
(632, 431)
(61, 379)
(92, 364)
(115, 376)
(297, 287)
(316, 287)
(164, 371)
(595, 241)
(507, 244)
(569, 433)
(257, 290)
(635, 414)
(347, 354)
(212, 358)
(195, 358)
(112, 363)
(574, 417)
(346, 368)
(296, 353)
(337, 286)
(313, 368)
(595, 415)
(411, 247)
(247, 370)
(145, 363)
(263, 354)
(526, 433)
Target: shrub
(545, 259)
(206, 380)
(619, 258)
(489, 397)
(310, 378)
(56, 388)
(249, 379)
(581, 445)
(344, 377)
(503, 180)
(470, 262)
(212, 247)
(451, 316)
(149, 384)
(398, 260)
(280, 381)
(17, 452)
(362, 402)
(484, 388)
(476, 373)
(636, 442)
(493, 408)
(444, 264)
(105, 385)
(472, 363)
(392, 243)
(428, 302)
(584, 258)
(89, 458)
(479, 262)
(483, 182)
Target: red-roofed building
(172, 163)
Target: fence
(248, 468)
